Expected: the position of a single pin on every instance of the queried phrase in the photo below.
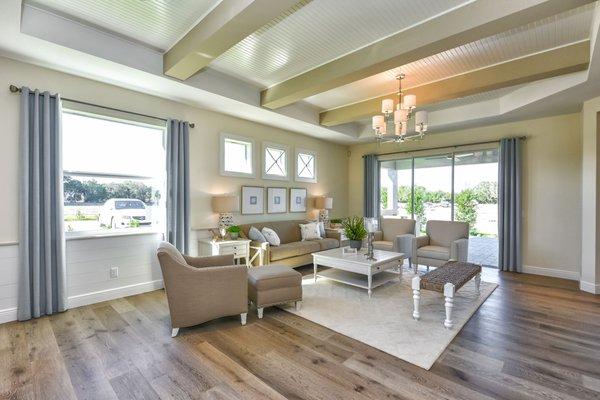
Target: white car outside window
(124, 213)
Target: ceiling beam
(227, 24)
(563, 60)
(471, 22)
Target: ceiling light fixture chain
(404, 112)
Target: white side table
(239, 248)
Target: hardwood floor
(535, 337)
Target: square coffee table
(356, 270)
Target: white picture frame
(253, 200)
(276, 200)
(298, 200)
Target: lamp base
(324, 217)
(225, 221)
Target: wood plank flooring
(534, 338)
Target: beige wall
(204, 150)
(551, 183)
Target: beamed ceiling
(328, 63)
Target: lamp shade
(387, 106)
(410, 101)
(421, 121)
(324, 203)
(400, 115)
(225, 204)
(378, 121)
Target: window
(275, 161)
(306, 166)
(114, 174)
(461, 186)
(236, 155)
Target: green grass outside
(81, 217)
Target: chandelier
(405, 111)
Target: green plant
(134, 223)
(466, 208)
(336, 221)
(234, 229)
(416, 205)
(384, 197)
(354, 228)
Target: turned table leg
(449, 295)
(416, 287)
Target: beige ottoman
(270, 285)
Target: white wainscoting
(553, 272)
(88, 270)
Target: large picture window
(114, 174)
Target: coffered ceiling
(320, 66)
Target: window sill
(98, 235)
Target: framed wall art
(276, 200)
(297, 200)
(253, 200)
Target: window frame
(222, 138)
(312, 153)
(277, 146)
(96, 112)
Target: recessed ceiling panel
(319, 32)
(156, 23)
(559, 30)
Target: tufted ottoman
(270, 285)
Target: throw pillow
(271, 236)
(310, 231)
(322, 228)
(256, 235)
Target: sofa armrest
(459, 250)
(333, 234)
(404, 244)
(377, 236)
(209, 261)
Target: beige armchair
(200, 289)
(443, 241)
(396, 234)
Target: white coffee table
(356, 270)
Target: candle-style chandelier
(404, 112)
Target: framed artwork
(253, 200)
(276, 200)
(297, 200)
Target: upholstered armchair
(200, 289)
(443, 241)
(395, 234)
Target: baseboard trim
(589, 287)
(115, 293)
(8, 315)
(553, 272)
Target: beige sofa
(292, 252)
(200, 289)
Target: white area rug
(385, 321)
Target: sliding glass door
(461, 186)
(432, 189)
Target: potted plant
(234, 231)
(335, 223)
(354, 229)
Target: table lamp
(324, 204)
(372, 226)
(225, 205)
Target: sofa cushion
(294, 249)
(310, 231)
(271, 236)
(383, 245)
(256, 235)
(273, 277)
(328, 243)
(288, 231)
(435, 252)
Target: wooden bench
(447, 279)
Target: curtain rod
(16, 89)
(444, 147)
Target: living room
(236, 199)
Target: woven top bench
(454, 272)
(446, 279)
